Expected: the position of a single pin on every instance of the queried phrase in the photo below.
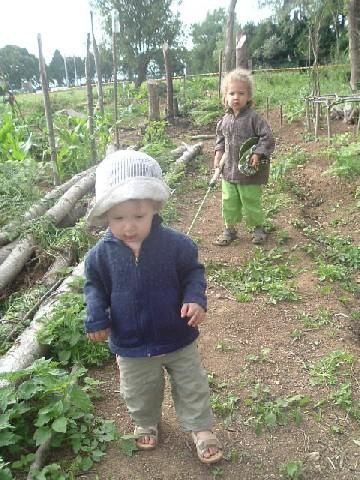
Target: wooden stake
(90, 103)
(114, 51)
(169, 84)
(317, 120)
(48, 115)
(98, 68)
(328, 106)
(220, 72)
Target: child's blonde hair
(238, 75)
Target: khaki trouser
(142, 387)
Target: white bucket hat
(126, 175)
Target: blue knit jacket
(140, 299)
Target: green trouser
(142, 387)
(240, 201)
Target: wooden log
(178, 151)
(27, 348)
(202, 137)
(7, 249)
(62, 261)
(154, 101)
(13, 229)
(40, 457)
(190, 153)
(15, 262)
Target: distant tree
(17, 65)
(144, 27)
(56, 70)
(205, 37)
(106, 61)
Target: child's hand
(194, 312)
(255, 160)
(99, 336)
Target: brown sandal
(204, 444)
(227, 237)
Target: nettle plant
(267, 272)
(46, 405)
(268, 411)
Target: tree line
(300, 32)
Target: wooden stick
(48, 114)
(90, 103)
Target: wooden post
(176, 107)
(48, 115)
(317, 120)
(154, 103)
(220, 72)
(307, 114)
(169, 84)
(114, 52)
(328, 106)
(90, 103)
(281, 115)
(98, 68)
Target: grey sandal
(227, 237)
(259, 236)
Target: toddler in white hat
(145, 293)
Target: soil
(327, 440)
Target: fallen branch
(27, 348)
(40, 457)
(202, 137)
(14, 263)
(13, 229)
(190, 153)
(179, 150)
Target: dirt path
(251, 349)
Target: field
(281, 339)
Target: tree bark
(242, 57)
(354, 43)
(229, 46)
(154, 103)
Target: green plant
(269, 412)
(346, 157)
(224, 407)
(321, 318)
(296, 334)
(43, 403)
(261, 358)
(292, 470)
(63, 332)
(267, 272)
(325, 371)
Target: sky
(63, 24)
